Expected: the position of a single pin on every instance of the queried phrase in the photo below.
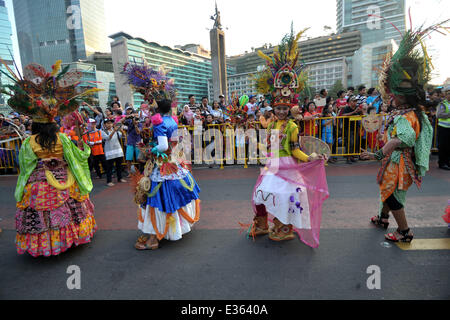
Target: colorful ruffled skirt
(49, 221)
(293, 193)
(172, 206)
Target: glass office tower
(378, 36)
(189, 70)
(6, 51)
(70, 30)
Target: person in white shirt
(113, 150)
(251, 105)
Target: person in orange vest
(93, 138)
(70, 133)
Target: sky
(250, 23)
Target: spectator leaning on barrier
(443, 128)
(351, 128)
(327, 127)
(350, 92)
(251, 106)
(374, 99)
(187, 116)
(93, 138)
(361, 97)
(321, 100)
(113, 150)
(311, 127)
(192, 105)
(216, 112)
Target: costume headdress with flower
(283, 79)
(44, 95)
(153, 85)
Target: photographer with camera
(133, 127)
(111, 135)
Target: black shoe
(445, 167)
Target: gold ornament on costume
(372, 123)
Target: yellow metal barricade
(9, 154)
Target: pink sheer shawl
(315, 182)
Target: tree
(337, 86)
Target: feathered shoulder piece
(153, 85)
(157, 119)
(406, 71)
(283, 77)
(44, 95)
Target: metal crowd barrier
(9, 155)
(240, 145)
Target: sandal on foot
(281, 232)
(143, 244)
(380, 221)
(400, 236)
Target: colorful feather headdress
(236, 110)
(407, 70)
(44, 95)
(153, 85)
(283, 78)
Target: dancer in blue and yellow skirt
(167, 194)
(172, 202)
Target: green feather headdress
(409, 68)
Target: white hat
(91, 120)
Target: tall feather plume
(408, 62)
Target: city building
(240, 84)
(102, 60)
(6, 53)
(70, 30)
(378, 35)
(195, 48)
(326, 59)
(94, 78)
(325, 73)
(190, 71)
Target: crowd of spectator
(114, 133)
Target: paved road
(215, 261)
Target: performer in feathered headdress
(236, 109)
(292, 186)
(52, 193)
(408, 135)
(167, 194)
